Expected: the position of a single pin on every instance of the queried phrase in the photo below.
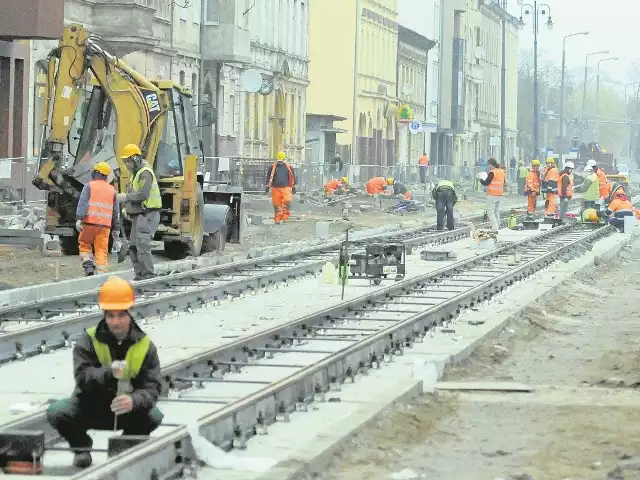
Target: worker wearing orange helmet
(117, 375)
(619, 207)
(97, 216)
(532, 186)
(549, 181)
(281, 179)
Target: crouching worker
(336, 186)
(117, 374)
(400, 190)
(619, 208)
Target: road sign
(415, 127)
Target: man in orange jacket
(97, 216)
(532, 186)
(549, 186)
(619, 208)
(335, 185)
(282, 182)
(377, 185)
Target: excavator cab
(90, 124)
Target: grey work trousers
(493, 211)
(564, 206)
(143, 228)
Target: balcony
(226, 42)
(31, 19)
(125, 24)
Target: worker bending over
(377, 185)
(400, 189)
(445, 197)
(590, 188)
(142, 204)
(336, 186)
(282, 181)
(97, 216)
(549, 186)
(565, 189)
(117, 374)
(619, 208)
(495, 183)
(532, 186)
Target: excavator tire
(218, 223)
(179, 250)
(69, 245)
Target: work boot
(89, 268)
(82, 459)
(145, 276)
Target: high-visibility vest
(619, 207)
(568, 193)
(273, 174)
(445, 183)
(604, 185)
(523, 171)
(496, 187)
(550, 180)
(376, 185)
(532, 182)
(593, 192)
(101, 201)
(423, 161)
(154, 202)
(135, 355)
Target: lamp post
(584, 91)
(562, 85)
(598, 93)
(536, 9)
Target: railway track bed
(297, 366)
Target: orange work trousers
(550, 205)
(532, 199)
(94, 245)
(281, 199)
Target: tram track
(267, 376)
(41, 326)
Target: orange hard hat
(592, 216)
(116, 294)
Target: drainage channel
(47, 325)
(240, 389)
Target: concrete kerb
(319, 452)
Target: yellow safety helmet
(535, 163)
(102, 167)
(551, 160)
(591, 215)
(344, 180)
(280, 156)
(129, 151)
(390, 181)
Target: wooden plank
(485, 386)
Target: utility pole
(584, 91)
(503, 89)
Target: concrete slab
(492, 386)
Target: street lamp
(598, 93)
(584, 91)
(562, 85)
(536, 10)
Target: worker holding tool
(445, 196)
(377, 185)
(97, 216)
(549, 186)
(565, 189)
(143, 204)
(495, 182)
(590, 188)
(619, 208)
(400, 189)
(336, 186)
(532, 186)
(281, 180)
(117, 375)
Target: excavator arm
(139, 106)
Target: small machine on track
(379, 261)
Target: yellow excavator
(120, 106)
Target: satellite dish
(251, 80)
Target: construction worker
(117, 375)
(619, 208)
(532, 186)
(549, 186)
(377, 185)
(445, 197)
(495, 183)
(604, 187)
(282, 181)
(565, 189)
(400, 189)
(523, 171)
(97, 216)
(590, 215)
(423, 165)
(336, 186)
(142, 204)
(590, 188)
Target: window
(248, 102)
(232, 115)
(193, 139)
(39, 92)
(212, 13)
(174, 142)
(182, 77)
(194, 85)
(256, 116)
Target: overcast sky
(613, 26)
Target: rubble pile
(25, 220)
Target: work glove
(79, 225)
(118, 367)
(266, 189)
(293, 189)
(121, 197)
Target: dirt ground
(579, 352)
(23, 267)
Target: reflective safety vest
(135, 355)
(604, 186)
(445, 184)
(621, 207)
(376, 185)
(532, 182)
(496, 187)
(523, 171)
(568, 193)
(550, 180)
(154, 202)
(101, 200)
(273, 174)
(593, 192)
(423, 161)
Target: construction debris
(23, 225)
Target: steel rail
(237, 420)
(67, 317)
